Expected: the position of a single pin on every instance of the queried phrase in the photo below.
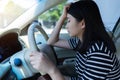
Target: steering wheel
(47, 49)
(31, 37)
(19, 62)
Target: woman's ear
(82, 24)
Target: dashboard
(9, 44)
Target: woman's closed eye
(68, 20)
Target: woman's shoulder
(99, 46)
(99, 49)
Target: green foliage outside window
(52, 14)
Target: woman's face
(73, 26)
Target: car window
(49, 18)
(110, 12)
(11, 9)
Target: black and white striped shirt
(98, 63)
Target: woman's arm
(43, 64)
(55, 33)
(54, 38)
(56, 75)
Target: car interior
(64, 62)
(14, 60)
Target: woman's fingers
(41, 62)
(66, 8)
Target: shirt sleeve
(97, 66)
(73, 42)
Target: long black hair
(88, 11)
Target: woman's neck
(80, 36)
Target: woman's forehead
(69, 16)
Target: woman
(95, 50)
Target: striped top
(98, 63)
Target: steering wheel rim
(31, 37)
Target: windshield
(11, 9)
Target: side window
(50, 18)
(110, 12)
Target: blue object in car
(17, 62)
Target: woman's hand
(66, 7)
(41, 62)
